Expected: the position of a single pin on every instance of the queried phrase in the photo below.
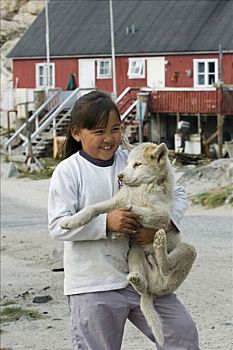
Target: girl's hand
(170, 226)
(144, 235)
(122, 220)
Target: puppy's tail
(152, 317)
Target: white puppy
(154, 269)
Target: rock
(11, 171)
(33, 7)
(203, 178)
(9, 6)
(42, 299)
(16, 17)
(23, 20)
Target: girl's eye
(137, 164)
(98, 132)
(116, 129)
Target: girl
(95, 266)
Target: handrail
(50, 131)
(38, 111)
(125, 92)
(54, 114)
(131, 107)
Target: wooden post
(220, 134)
(58, 143)
(8, 124)
(177, 118)
(159, 126)
(199, 123)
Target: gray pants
(98, 320)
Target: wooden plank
(58, 143)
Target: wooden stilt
(220, 134)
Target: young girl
(95, 266)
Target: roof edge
(126, 54)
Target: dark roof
(82, 28)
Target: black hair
(89, 112)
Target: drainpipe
(220, 117)
(47, 47)
(113, 52)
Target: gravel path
(29, 255)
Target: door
(156, 72)
(87, 73)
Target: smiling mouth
(106, 148)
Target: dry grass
(214, 198)
(15, 313)
(45, 173)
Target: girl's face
(100, 143)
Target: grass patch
(49, 162)
(6, 132)
(14, 313)
(8, 302)
(45, 173)
(214, 198)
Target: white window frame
(43, 76)
(206, 72)
(136, 68)
(108, 74)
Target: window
(104, 69)
(41, 75)
(205, 72)
(136, 68)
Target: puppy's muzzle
(120, 177)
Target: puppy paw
(160, 239)
(68, 224)
(138, 281)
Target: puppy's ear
(127, 145)
(161, 153)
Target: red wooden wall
(181, 63)
(24, 69)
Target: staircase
(42, 144)
(52, 119)
(127, 103)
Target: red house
(181, 52)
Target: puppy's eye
(137, 164)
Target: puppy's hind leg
(136, 276)
(178, 262)
(182, 257)
(160, 247)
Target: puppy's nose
(120, 177)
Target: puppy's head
(146, 163)
(158, 153)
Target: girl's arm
(63, 202)
(179, 207)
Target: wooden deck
(219, 101)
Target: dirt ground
(30, 262)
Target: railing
(52, 131)
(126, 98)
(51, 103)
(131, 107)
(52, 117)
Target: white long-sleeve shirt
(92, 261)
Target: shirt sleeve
(63, 202)
(179, 207)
